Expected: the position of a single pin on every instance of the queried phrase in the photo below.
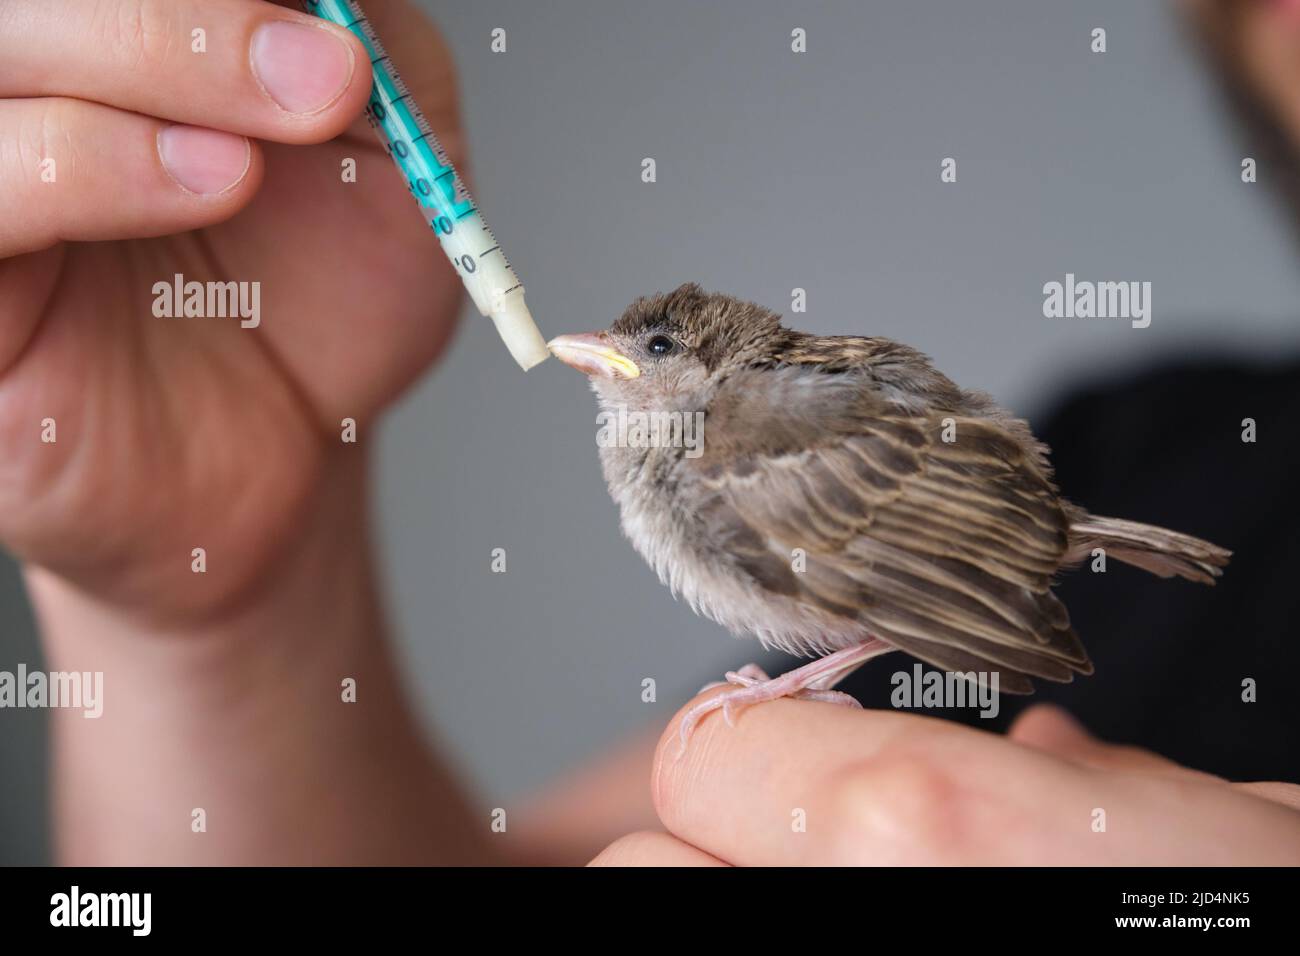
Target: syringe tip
(517, 329)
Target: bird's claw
(748, 676)
(748, 686)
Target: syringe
(446, 203)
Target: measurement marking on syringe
(426, 165)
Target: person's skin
(805, 783)
(222, 689)
(1256, 44)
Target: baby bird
(847, 500)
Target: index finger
(800, 782)
(797, 782)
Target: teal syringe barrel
(437, 187)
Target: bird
(847, 499)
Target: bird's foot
(751, 685)
(748, 686)
(751, 675)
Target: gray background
(776, 170)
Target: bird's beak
(591, 354)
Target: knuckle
(52, 131)
(43, 133)
(899, 806)
(138, 31)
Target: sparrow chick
(848, 500)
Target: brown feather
(835, 445)
(909, 535)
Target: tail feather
(1145, 546)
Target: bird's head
(670, 351)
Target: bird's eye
(661, 345)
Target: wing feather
(944, 548)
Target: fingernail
(303, 68)
(204, 161)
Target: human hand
(882, 787)
(176, 433)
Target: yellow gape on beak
(591, 354)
